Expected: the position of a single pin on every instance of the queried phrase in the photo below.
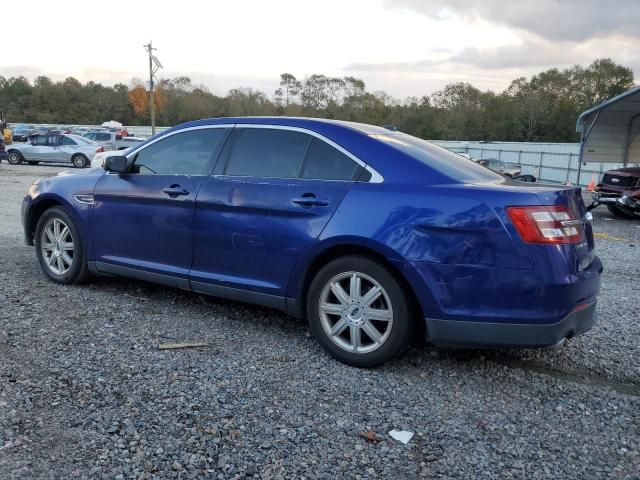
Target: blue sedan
(374, 236)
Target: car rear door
(65, 149)
(143, 220)
(273, 191)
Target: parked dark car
(619, 190)
(3, 151)
(373, 236)
(21, 133)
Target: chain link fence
(548, 162)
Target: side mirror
(116, 164)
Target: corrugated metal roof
(611, 104)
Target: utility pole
(154, 65)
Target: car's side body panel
(249, 233)
(250, 238)
(135, 224)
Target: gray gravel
(85, 392)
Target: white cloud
(406, 47)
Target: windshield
(439, 158)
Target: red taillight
(100, 150)
(552, 224)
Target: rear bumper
(4, 156)
(457, 333)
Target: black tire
(79, 161)
(15, 157)
(622, 212)
(78, 270)
(400, 329)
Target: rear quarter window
(439, 158)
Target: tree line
(541, 108)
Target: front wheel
(358, 311)
(15, 157)
(59, 247)
(80, 161)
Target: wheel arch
(15, 150)
(297, 294)
(41, 206)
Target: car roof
(303, 122)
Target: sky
(404, 47)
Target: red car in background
(619, 190)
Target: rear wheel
(59, 247)
(358, 311)
(622, 212)
(79, 161)
(15, 157)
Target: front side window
(268, 152)
(186, 153)
(324, 162)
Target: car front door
(37, 150)
(272, 193)
(143, 220)
(51, 151)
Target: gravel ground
(85, 392)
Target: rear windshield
(439, 158)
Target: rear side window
(186, 153)
(67, 141)
(325, 162)
(440, 159)
(268, 152)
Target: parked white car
(113, 140)
(99, 158)
(54, 148)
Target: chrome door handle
(174, 190)
(311, 202)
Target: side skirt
(229, 293)
(110, 269)
(247, 296)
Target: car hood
(625, 172)
(79, 172)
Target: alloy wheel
(14, 158)
(56, 245)
(79, 161)
(355, 312)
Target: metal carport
(609, 131)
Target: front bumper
(456, 333)
(617, 199)
(26, 206)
